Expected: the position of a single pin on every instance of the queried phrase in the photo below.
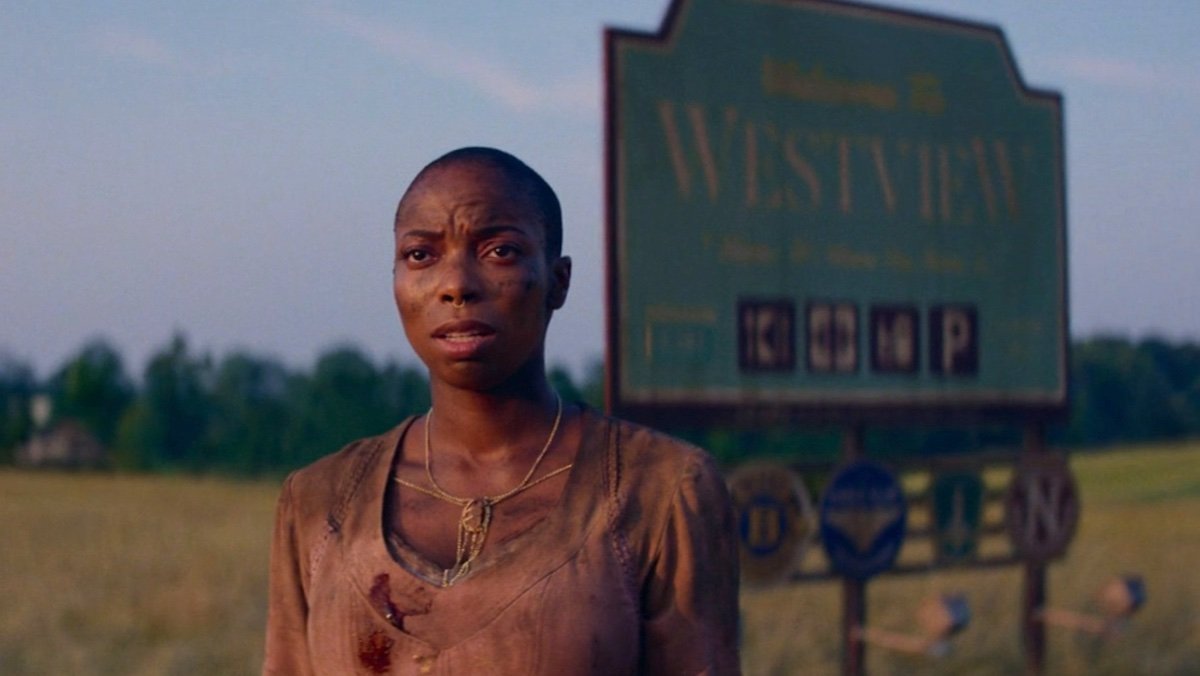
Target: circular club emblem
(775, 520)
(863, 514)
(1042, 506)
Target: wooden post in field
(1033, 630)
(854, 591)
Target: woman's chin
(487, 375)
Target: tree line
(250, 414)
(241, 413)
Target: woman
(503, 532)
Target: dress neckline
(416, 562)
(518, 562)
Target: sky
(230, 169)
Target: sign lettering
(954, 340)
(767, 336)
(894, 339)
(832, 337)
(793, 168)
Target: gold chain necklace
(477, 512)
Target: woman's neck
(493, 426)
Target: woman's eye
(415, 255)
(504, 251)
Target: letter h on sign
(894, 339)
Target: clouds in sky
(457, 62)
(127, 43)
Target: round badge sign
(1042, 507)
(775, 520)
(863, 517)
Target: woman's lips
(463, 338)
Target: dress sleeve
(287, 606)
(690, 599)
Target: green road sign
(820, 206)
(957, 499)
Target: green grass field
(113, 574)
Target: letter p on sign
(954, 340)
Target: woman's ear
(560, 282)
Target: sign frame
(817, 405)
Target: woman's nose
(460, 282)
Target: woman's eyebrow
(498, 229)
(480, 232)
(422, 234)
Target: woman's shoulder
(325, 478)
(650, 457)
(656, 479)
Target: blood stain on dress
(381, 599)
(375, 652)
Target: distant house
(66, 444)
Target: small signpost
(776, 520)
(833, 212)
(957, 514)
(863, 516)
(1042, 507)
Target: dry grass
(112, 574)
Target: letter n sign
(954, 340)
(1042, 506)
(766, 335)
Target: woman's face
(472, 283)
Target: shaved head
(524, 182)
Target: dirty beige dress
(634, 572)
